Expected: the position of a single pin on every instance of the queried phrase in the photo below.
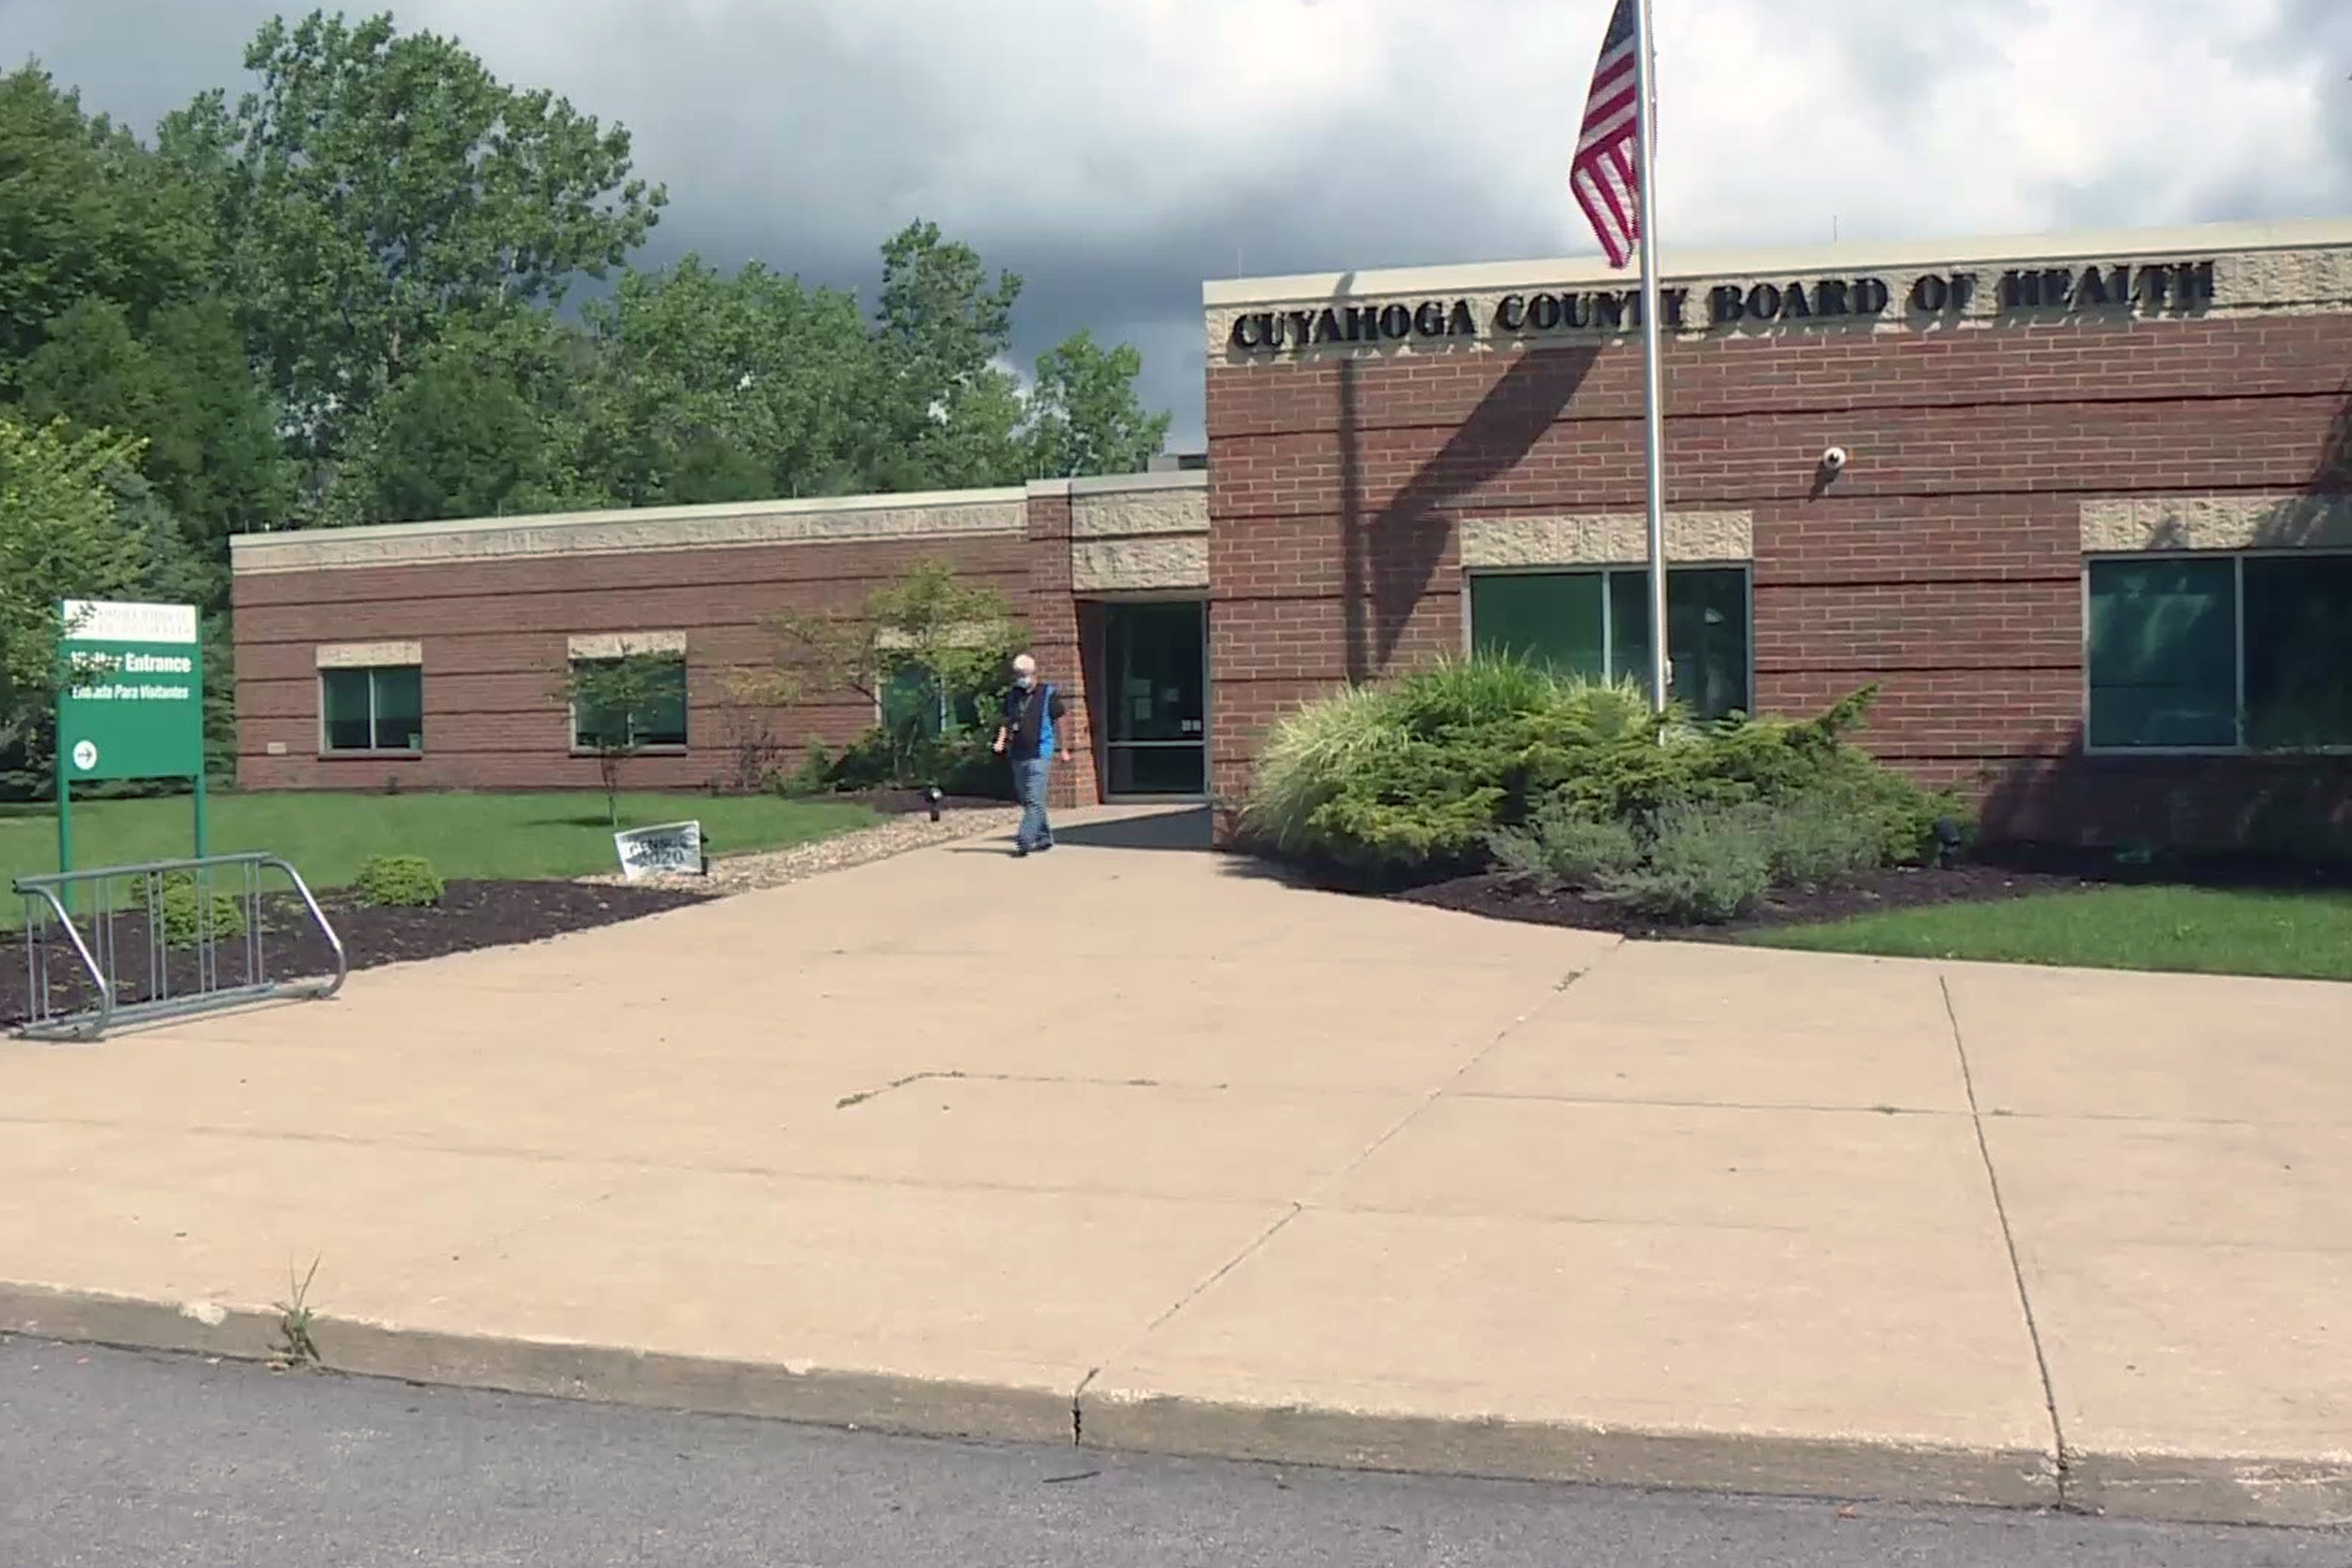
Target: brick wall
(1054, 638)
(495, 636)
(1944, 564)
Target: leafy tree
(927, 629)
(747, 386)
(1085, 415)
(609, 696)
(105, 258)
(950, 411)
(60, 538)
(497, 418)
(211, 452)
(376, 185)
(86, 212)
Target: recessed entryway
(1155, 699)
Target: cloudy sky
(1115, 153)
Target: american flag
(1606, 174)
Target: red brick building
(2092, 537)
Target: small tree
(610, 699)
(926, 624)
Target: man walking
(1031, 737)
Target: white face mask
(1025, 681)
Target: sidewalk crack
(2008, 1240)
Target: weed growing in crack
(295, 1345)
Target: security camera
(1834, 460)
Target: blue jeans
(1029, 780)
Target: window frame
(1472, 575)
(947, 715)
(686, 706)
(327, 752)
(2237, 559)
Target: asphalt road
(114, 1458)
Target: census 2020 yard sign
(133, 704)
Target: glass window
(372, 710)
(2163, 653)
(1707, 638)
(1554, 618)
(1597, 623)
(914, 698)
(656, 718)
(399, 708)
(912, 703)
(2298, 651)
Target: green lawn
(2300, 934)
(328, 836)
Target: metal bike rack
(219, 966)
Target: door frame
(1100, 681)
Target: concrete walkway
(1129, 1144)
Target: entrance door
(1155, 698)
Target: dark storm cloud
(1115, 153)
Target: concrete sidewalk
(1130, 1144)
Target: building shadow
(2266, 806)
(1180, 827)
(1184, 828)
(1389, 557)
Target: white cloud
(1116, 151)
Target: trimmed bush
(187, 917)
(1413, 776)
(1816, 839)
(1564, 848)
(398, 881)
(1454, 768)
(1703, 866)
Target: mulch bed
(471, 915)
(2017, 875)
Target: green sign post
(131, 705)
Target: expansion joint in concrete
(2008, 1240)
(850, 1101)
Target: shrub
(398, 881)
(960, 761)
(1414, 775)
(1704, 864)
(1564, 848)
(814, 776)
(188, 917)
(1446, 771)
(1817, 838)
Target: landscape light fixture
(1947, 842)
(931, 798)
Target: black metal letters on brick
(2180, 287)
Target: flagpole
(1653, 410)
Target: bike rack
(58, 1007)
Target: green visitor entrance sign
(129, 703)
(132, 707)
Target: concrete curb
(2203, 1489)
(552, 1369)
(1576, 1452)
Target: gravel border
(747, 873)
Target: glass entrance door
(1155, 698)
